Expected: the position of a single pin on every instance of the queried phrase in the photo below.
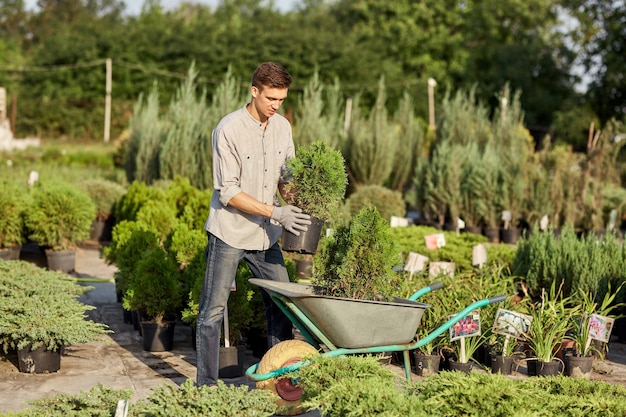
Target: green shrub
(387, 202)
(587, 263)
(141, 160)
(358, 260)
(354, 385)
(189, 400)
(39, 307)
(137, 194)
(485, 394)
(60, 216)
(185, 242)
(186, 137)
(13, 205)
(104, 194)
(319, 179)
(100, 401)
(154, 286)
(351, 385)
(158, 217)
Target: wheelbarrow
(343, 326)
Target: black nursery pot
(38, 361)
(307, 242)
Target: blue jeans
(222, 262)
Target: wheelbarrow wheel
(281, 355)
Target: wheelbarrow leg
(407, 365)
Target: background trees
(52, 58)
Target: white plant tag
(479, 255)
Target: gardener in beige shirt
(250, 149)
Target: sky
(133, 7)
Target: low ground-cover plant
(165, 401)
(40, 308)
(360, 386)
(100, 401)
(189, 400)
(458, 248)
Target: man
(250, 149)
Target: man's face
(268, 100)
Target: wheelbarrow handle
(497, 299)
(432, 287)
(457, 317)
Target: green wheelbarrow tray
(350, 323)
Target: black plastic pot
(307, 242)
(548, 368)
(158, 337)
(473, 229)
(231, 361)
(61, 260)
(492, 234)
(466, 367)
(510, 235)
(38, 361)
(579, 366)
(426, 365)
(303, 268)
(501, 364)
(11, 253)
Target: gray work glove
(292, 219)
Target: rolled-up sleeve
(226, 167)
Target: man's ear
(254, 91)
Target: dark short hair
(271, 74)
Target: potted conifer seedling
(104, 194)
(154, 290)
(318, 185)
(40, 315)
(59, 218)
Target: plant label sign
(479, 255)
(468, 326)
(399, 221)
(600, 327)
(511, 324)
(441, 268)
(415, 262)
(543, 223)
(435, 241)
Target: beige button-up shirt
(248, 158)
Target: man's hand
(292, 219)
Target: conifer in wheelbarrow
(318, 185)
